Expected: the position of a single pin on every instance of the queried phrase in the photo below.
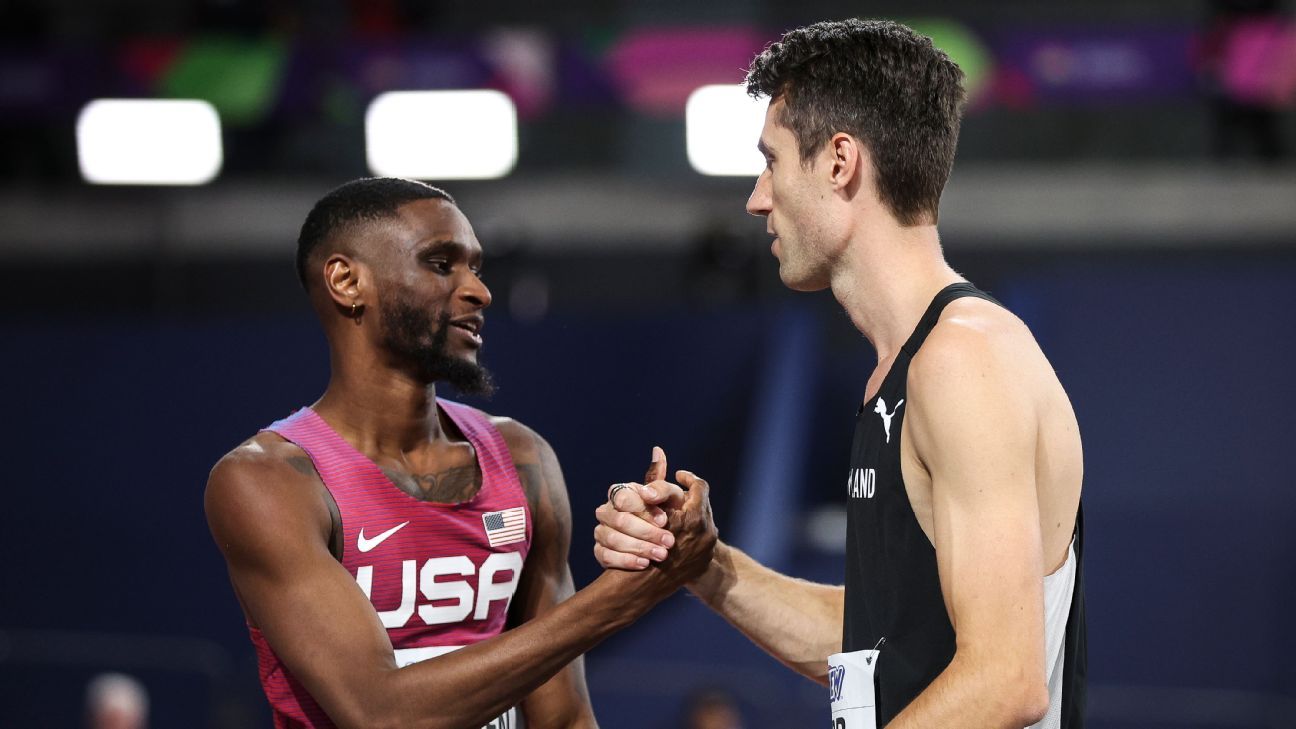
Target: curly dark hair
(880, 82)
(365, 199)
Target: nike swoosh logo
(367, 544)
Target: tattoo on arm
(543, 480)
(546, 580)
(561, 510)
(302, 465)
(532, 483)
(306, 467)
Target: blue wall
(1181, 374)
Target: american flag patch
(505, 527)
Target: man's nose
(474, 291)
(759, 203)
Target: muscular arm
(979, 449)
(797, 622)
(562, 702)
(272, 525)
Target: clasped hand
(657, 522)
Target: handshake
(657, 523)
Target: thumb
(657, 468)
(698, 489)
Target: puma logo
(881, 409)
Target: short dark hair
(881, 82)
(365, 199)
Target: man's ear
(848, 160)
(345, 281)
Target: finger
(655, 515)
(626, 499)
(633, 526)
(657, 467)
(617, 560)
(662, 493)
(615, 541)
(698, 489)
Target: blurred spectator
(711, 709)
(1248, 61)
(116, 701)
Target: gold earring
(353, 309)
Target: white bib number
(406, 656)
(850, 689)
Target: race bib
(406, 656)
(850, 689)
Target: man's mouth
(472, 325)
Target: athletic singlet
(894, 604)
(440, 576)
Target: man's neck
(886, 279)
(383, 411)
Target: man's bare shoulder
(533, 457)
(526, 445)
(263, 456)
(268, 480)
(978, 338)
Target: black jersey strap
(1075, 667)
(932, 315)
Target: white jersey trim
(1058, 590)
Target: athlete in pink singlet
(402, 560)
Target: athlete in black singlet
(893, 590)
(963, 603)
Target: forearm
(471, 686)
(976, 695)
(562, 703)
(797, 622)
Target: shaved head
(392, 268)
(341, 211)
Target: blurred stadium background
(1124, 183)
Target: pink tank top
(440, 576)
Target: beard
(405, 334)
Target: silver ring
(612, 492)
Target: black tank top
(893, 593)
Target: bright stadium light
(149, 142)
(722, 126)
(442, 135)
